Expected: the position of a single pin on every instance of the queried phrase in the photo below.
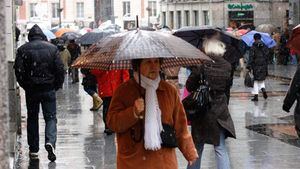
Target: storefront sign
(241, 15)
(240, 6)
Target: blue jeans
(220, 152)
(91, 90)
(48, 101)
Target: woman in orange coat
(138, 122)
(108, 82)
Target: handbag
(198, 102)
(168, 136)
(249, 79)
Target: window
(55, 10)
(152, 8)
(187, 18)
(32, 9)
(178, 19)
(172, 19)
(164, 18)
(80, 9)
(196, 18)
(206, 17)
(126, 8)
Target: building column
(4, 160)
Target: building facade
(125, 12)
(222, 13)
(47, 12)
(294, 14)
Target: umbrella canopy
(265, 37)
(70, 36)
(85, 30)
(294, 41)
(91, 37)
(117, 51)
(196, 36)
(50, 35)
(267, 28)
(61, 31)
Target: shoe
(33, 155)
(97, 102)
(108, 132)
(51, 153)
(255, 98)
(264, 93)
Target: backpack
(198, 102)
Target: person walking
(75, 51)
(40, 72)
(137, 114)
(214, 125)
(258, 63)
(65, 55)
(293, 95)
(89, 83)
(108, 82)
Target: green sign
(240, 6)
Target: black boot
(264, 93)
(255, 98)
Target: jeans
(220, 153)
(91, 90)
(48, 101)
(106, 103)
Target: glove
(285, 108)
(249, 68)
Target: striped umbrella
(117, 51)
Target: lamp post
(59, 13)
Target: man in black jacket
(40, 72)
(258, 63)
(293, 95)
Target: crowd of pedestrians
(138, 106)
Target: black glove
(249, 68)
(285, 108)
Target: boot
(97, 102)
(264, 93)
(255, 98)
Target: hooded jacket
(38, 66)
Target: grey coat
(206, 127)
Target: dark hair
(257, 36)
(137, 62)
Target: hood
(36, 33)
(259, 44)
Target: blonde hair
(214, 47)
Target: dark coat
(74, 50)
(206, 128)
(258, 60)
(292, 95)
(88, 79)
(38, 66)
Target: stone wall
(3, 92)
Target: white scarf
(153, 124)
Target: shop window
(179, 19)
(196, 18)
(205, 17)
(187, 18)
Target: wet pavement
(265, 135)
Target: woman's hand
(139, 106)
(192, 162)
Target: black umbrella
(91, 38)
(70, 36)
(196, 35)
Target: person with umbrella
(137, 114)
(214, 125)
(258, 63)
(75, 51)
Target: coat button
(144, 158)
